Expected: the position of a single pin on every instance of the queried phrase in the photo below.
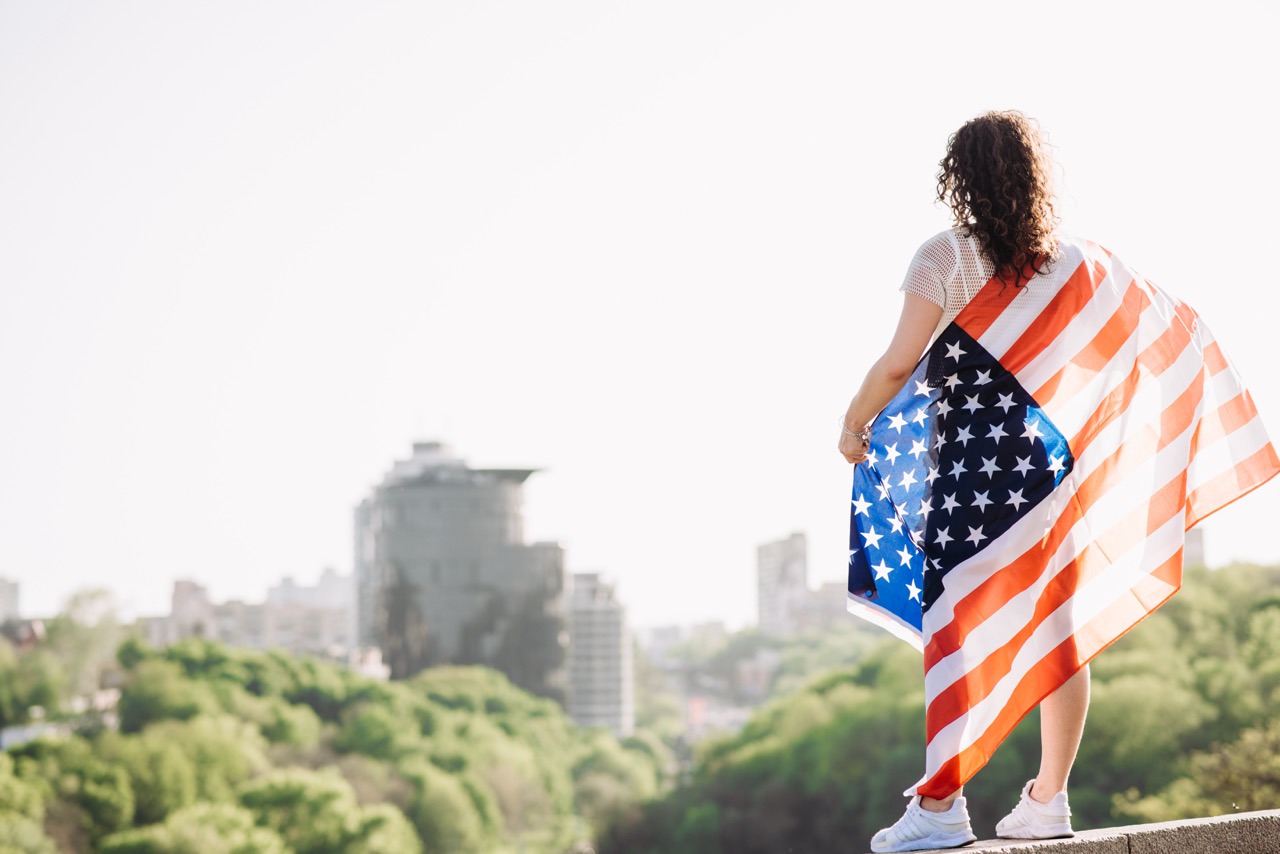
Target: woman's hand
(853, 446)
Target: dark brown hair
(997, 178)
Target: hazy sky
(250, 251)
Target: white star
(852, 552)
(920, 417)
(925, 507)
(984, 377)
(980, 500)
(882, 571)
(957, 468)
(1006, 402)
(883, 490)
(923, 389)
(891, 453)
(975, 535)
(997, 432)
(871, 456)
(1024, 465)
(917, 448)
(896, 524)
(1057, 464)
(904, 556)
(949, 503)
(872, 539)
(1032, 431)
(908, 479)
(944, 406)
(861, 505)
(1016, 499)
(913, 591)
(932, 475)
(897, 421)
(971, 403)
(989, 467)
(944, 537)
(939, 441)
(963, 436)
(952, 381)
(954, 352)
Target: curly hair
(997, 179)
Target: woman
(1004, 267)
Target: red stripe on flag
(986, 306)
(1076, 373)
(1214, 360)
(1226, 419)
(1054, 317)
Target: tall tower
(782, 584)
(8, 600)
(601, 674)
(443, 575)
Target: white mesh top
(949, 269)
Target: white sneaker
(919, 829)
(1031, 819)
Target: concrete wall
(1242, 833)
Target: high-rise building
(444, 576)
(782, 584)
(8, 600)
(1193, 549)
(601, 674)
(787, 605)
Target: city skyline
(648, 250)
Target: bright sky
(249, 251)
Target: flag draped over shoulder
(1026, 496)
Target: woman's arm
(890, 372)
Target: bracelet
(864, 435)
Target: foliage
(21, 814)
(220, 749)
(199, 829)
(316, 812)
(157, 692)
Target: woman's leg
(1061, 725)
(935, 805)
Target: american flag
(1027, 493)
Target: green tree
(161, 773)
(316, 813)
(86, 790)
(443, 812)
(199, 829)
(158, 690)
(1241, 776)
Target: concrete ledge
(1241, 833)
